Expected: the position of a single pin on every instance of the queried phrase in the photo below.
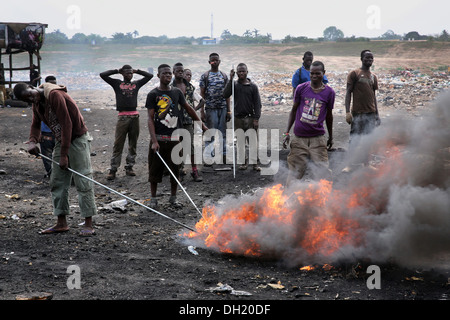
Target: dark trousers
(362, 124)
(126, 126)
(47, 145)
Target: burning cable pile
(397, 210)
(277, 221)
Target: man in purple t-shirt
(313, 104)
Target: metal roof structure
(17, 38)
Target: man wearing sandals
(53, 106)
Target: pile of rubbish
(411, 90)
(406, 90)
(275, 90)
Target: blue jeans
(47, 145)
(217, 119)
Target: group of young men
(171, 106)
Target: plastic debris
(116, 205)
(225, 288)
(192, 250)
(277, 286)
(35, 296)
(12, 196)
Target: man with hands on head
(126, 92)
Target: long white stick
(120, 194)
(232, 125)
(173, 175)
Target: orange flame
(307, 268)
(236, 230)
(325, 267)
(315, 220)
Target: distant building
(209, 41)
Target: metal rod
(120, 194)
(173, 175)
(232, 125)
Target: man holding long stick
(53, 106)
(247, 111)
(216, 110)
(164, 105)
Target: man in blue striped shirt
(301, 75)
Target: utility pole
(212, 26)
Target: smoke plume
(395, 210)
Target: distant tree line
(334, 34)
(248, 37)
(119, 37)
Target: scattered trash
(116, 205)
(410, 89)
(35, 296)
(35, 182)
(12, 196)
(119, 203)
(277, 286)
(6, 255)
(402, 89)
(192, 250)
(225, 288)
(413, 278)
(223, 169)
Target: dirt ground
(137, 254)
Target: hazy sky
(193, 18)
